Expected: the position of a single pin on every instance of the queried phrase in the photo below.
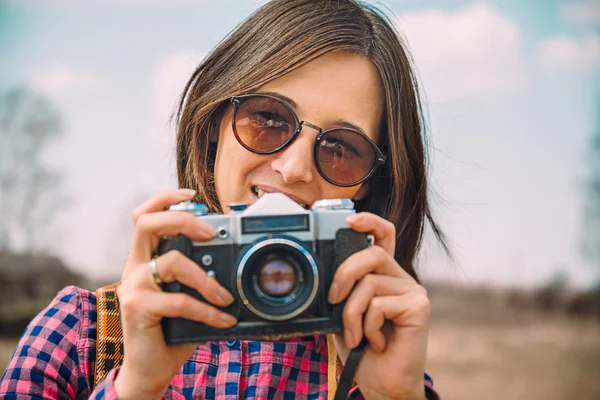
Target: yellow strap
(334, 367)
(109, 339)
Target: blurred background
(513, 102)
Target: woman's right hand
(149, 364)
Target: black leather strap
(345, 383)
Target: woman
(315, 99)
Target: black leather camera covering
(319, 318)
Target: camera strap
(347, 377)
(109, 334)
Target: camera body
(277, 259)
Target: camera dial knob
(333, 204)
(237, 207)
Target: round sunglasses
(264, 124)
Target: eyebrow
(342, 123)
(283, 98)
(339, 123)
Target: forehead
(333, 87)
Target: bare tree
(29, 190)
(591, 220)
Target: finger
(410, 310)
(370, 260)
(181, 305)
(358, 302)
(374, 320)
(174, 266)
(382, 230)
(161, 201)
(150, 227)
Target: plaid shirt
(55, 359)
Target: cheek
(233, 163)
(228, 148)
(226, 151)
(340, 193)
(232, 158)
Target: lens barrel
(277, 278)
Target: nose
(295, 162)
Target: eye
(338, 146)
(268, 119)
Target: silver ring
(155, 276)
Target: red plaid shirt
(55, 359)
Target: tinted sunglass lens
(344, 156)
(263, 124)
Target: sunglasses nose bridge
(313, 126)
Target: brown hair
(282, 36)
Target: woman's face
(336, 87)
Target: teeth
(258, 192)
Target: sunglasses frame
(237, 101)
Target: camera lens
(277, 276)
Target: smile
(259, 192)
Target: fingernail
(348, 338)
(357, 339)
(352, 218)
(204, 229)
(225, 296)
(228, 319)
(334, 292)
(381, 345)
(188, 192)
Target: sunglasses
(264, 124)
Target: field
(483, 350)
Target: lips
(259, 191)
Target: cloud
(472, 52)
(581, 12)
(63, 78)
(170, 77)
(119, 3)
(564, 53)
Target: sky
(511, 88)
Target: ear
(362, 192)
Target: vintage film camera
(277, 259)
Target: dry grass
(7, 346)
(482, 350)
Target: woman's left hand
(385, 304)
